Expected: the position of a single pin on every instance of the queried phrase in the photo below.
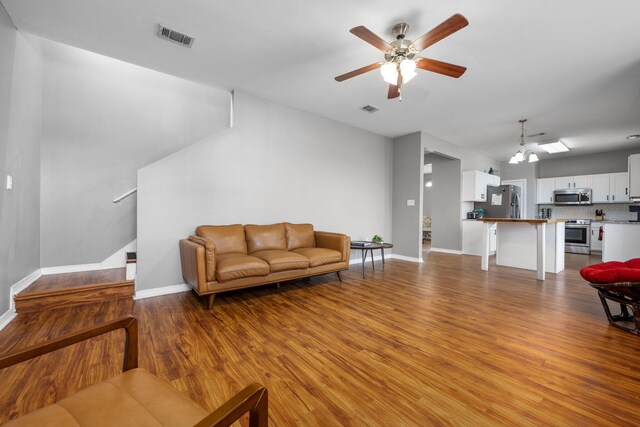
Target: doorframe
(523, 199)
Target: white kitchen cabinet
(563, 182)
(583, 181)
(545, 189)
(619, 187)
(621, 242)
(600, 187)
(634, 176)
(596, 245)
(474, 185)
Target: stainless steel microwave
(573, 196)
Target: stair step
(71, 289)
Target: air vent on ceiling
(369, 108)
(175, 36)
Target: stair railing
(125, 195)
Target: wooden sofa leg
(212, 298)
(339, 276)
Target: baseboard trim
(447, 251)
(405, 258)
(165, 290)
(7, 317)
(375, 258)
(20, 286)
(71, 268)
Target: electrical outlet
(411, 202)
(9, 182)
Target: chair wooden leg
(339, 276)
(212, 298)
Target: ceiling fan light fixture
(389, 73)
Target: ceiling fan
(400, 60)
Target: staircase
(71, 289)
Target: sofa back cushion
(300, 236)
(227, 238)
(264, 237)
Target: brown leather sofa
(221, 258)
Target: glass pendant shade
(408, 70)
(533, 157)
(513, 160)
(389, 73)
(519, 157)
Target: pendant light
(522, 154)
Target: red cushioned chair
(618, 282)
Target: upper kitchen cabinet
(619, 187)
(582, 181)
(474, 185)
(600, 187)
(634, 176)
(545, 190)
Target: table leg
(364, 257)
(382, 253)
(541, 250)
(373, 265)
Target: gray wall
(609, 162)
(103, 119)
(529, 172)
(276, 164)
(427, 199)
(20, 119)
(407, 185)
(446, 227)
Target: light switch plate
(9, 182)
(411, 202)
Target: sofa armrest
(209, 255)
(336, 241)
(253, 399)
(192, 259)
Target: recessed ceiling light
(633, 137)
(554, 147)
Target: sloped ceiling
(571, 67)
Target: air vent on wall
(369, 108)
(175, 36)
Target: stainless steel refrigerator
(502, 202)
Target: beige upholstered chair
(135, 397)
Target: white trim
(447, 251)
(70, 268)
(405, 258)
(165, 290)
(358, 260)
(6, 318)
(20, 286)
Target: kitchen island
(621, 241)
(532, 244)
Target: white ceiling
(571, 67)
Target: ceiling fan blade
(367, 35)
(359, 71)
(394, 90)
(445, 29)
(440, 67)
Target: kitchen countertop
(528, 220)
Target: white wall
(276, 164)
(20, 121)
(103, 119)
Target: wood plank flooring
(70, 289)
(439, 343)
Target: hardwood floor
(417, 344)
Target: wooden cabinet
(601, 192)
(619, 187)
(474, 185)
(634, 176)
(545, 189)
(596, 245)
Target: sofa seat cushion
(319, 256)
(237, 265)
(282, 260)
(134, 398)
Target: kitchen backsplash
(612, 212)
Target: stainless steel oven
(572, 196)
(577, 236)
